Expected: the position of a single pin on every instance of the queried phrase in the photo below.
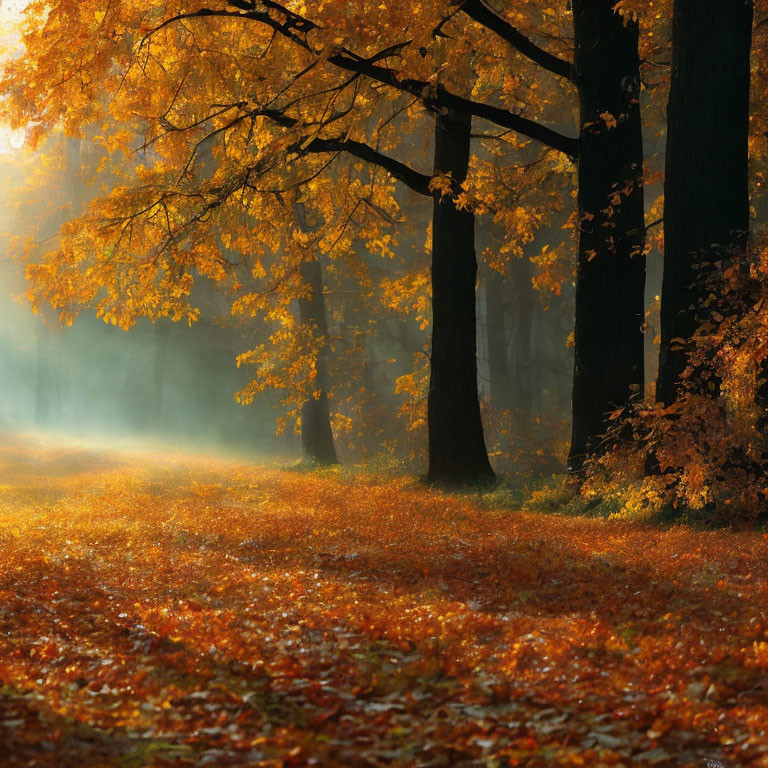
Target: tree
(706, 188)
(499, 373)
(525, 309)
(457, 451)
(610, 275)
(161, 343)
(610, 283)
(307, 123)
(316, 434)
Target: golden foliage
(707, 451)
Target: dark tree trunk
(316, 435)
(610, 284)
(496, 338)
(457, 452)
(706, 188)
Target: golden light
(10, 15)
(10, 140)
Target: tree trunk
(496, 338)
(457, 452)
(706, 188)
(316, 435)
(610, 283)
(522, 372)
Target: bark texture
(706, 188)
(457, 452)
(610, 284)
(316, 434)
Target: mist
(383, 384)
(161, 384)
(174, 384)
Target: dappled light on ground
(170, 611)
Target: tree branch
(418, 182)
(566, 144)
(295, 28)
(478, 11)
(437, 97)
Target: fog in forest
(174, 384)
(162, 384)
(383, 383)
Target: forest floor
(161, 610)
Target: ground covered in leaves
(177, 611)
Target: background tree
(316, 433)
(293, 134)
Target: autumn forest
(383, 384)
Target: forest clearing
(174, 611)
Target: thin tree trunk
(457, 452)
(316, 434)
(499, 374)
(609, 364)
(706, 188)
(522, 372)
